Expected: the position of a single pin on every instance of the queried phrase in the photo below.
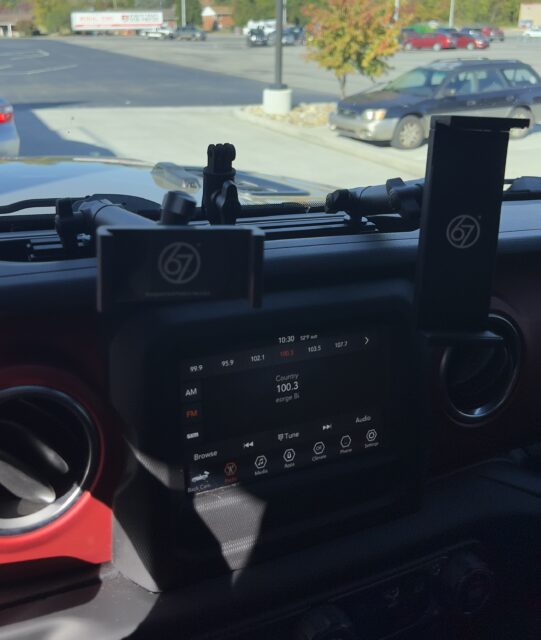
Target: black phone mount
(220, 203)
(170, 260)
(460, 219)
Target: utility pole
(452, 14)
(182, 12)
(278, 46)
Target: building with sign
(530, 15)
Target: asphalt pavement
(229, 55)
(42, 72)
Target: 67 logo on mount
(178, 264)
(463, 232)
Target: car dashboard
(308, 466)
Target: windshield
(420, 82)
(157, 81)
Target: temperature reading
(286, 387)
(286, 339)
(258, 357)
(314, 348)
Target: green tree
(487, 11)
(467, 12)
(426, 10)
(53, 16)
(193, 11)
(244, 10)
(8, 5)
(350, 36)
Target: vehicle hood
(26, 178)
(381, 99)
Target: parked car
(9, 136)
(433, 40)
(268, 26)
(288, 37)
(472, 31)
(257, 38)
(493, 33)
(406, 34)
(466, 41)
(161, 33)
(400, 112)
(189, 32)
(299, 34)
(534, 32)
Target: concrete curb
(413, 163)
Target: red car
(493, 33)
(434, 41)
(465, 40)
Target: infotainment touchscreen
(294, 401)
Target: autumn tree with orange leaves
(352, 36)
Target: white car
(268, 26)
(162, 33)
(534, 32)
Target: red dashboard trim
(84, 531)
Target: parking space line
(33, 72)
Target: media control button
(205, 455)
(371, 435)
(289, 455)
(288, 435)
(372, 438)
(260, 462)
(193, 368)
(364, 418)
(201, 477)
(191, 413)
(319, 452)
(190, 392)
(319, 448)
(345, 441)
(230, 469)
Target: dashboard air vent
(478, 379)
(48, 454)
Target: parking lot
(229, 55)
(166, 100)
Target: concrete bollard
(277, 101)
